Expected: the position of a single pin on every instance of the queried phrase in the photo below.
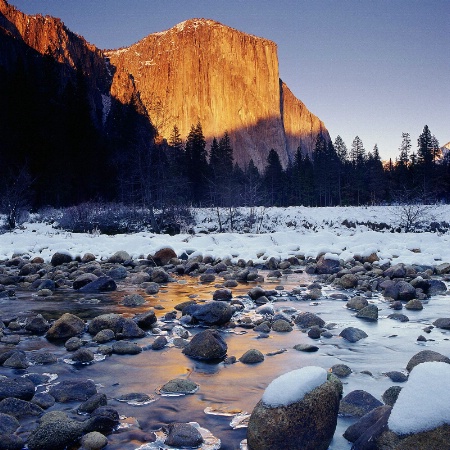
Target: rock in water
(207, 345)
(298, 411)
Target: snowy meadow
(260, 233)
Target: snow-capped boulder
(297, 411)
(424, 403)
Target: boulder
(37, 325)
(348, 281)
(103, 420)
(357, 403)
(298, 411)
(183, 435)
(19, 408)
(133, 300)
(206, 345)
(414, 305)
(73, 390)
(19, 387)
(357, 303)
(8, 424)
(126, 348)
(352, 334)
(106, 321)
(160, 276)
(443, 323)
(119, 257)
(327, 265)
(222, 295)
(425, 356)
(163, 256)
(179, 386)
(355, 431)
(281, 326)
(308, 320)
(252, 356)
(390, 395)
(65, 327)
(118, 273)
(369, 312)
(341, 370)
(94, 441)
(397, 271)
(145, 320)
(406, 291)
(59, 258)
(55, 434)
(101, 284)
(213, 313)
(92, 403)
(436, 287)
(152, 288)
(83, 280)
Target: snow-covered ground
(279, 232)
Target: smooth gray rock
(352, 334)
(357, 403)
(206, 345)
(73, 390)
(67, 326)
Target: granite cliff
(199, 70)
(226, 79)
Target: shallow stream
(226, 390)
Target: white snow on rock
(292, 386)
(424, 403)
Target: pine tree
(175, 140)
(273, 176)
(196, 163)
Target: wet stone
(77, 390)
(308, 348)
(104, 336)
(83, 355)
(126, 348)
(73, 344)
(179, 386)
(43, 400)
(159, 343)
(352, 334)
(183, 435)
(357, 403)
(8, 424)
(397, 377)
(390, 395)
(399, 317)
(252, 356)
(341, 370)
(94, 441)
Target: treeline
(331, 175)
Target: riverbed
(226, 391)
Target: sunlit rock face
(201, 70)
(49, 36)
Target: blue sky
(372, 68)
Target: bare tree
(413, 209)
(15, 196)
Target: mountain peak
(202, 70)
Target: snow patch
(106, 102)
(424, 403)
(292, 386)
